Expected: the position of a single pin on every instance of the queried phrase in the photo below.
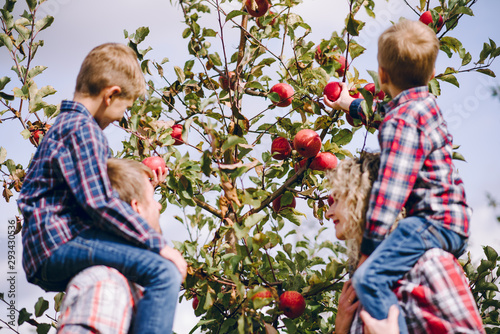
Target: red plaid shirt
(435, 298)
(67, 191)
(416, 168)
(98, 300)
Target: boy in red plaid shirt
(416, 170)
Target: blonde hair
(127, 178)
(352, 182)
(407, 51)
(109, 65)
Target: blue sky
(473, 115)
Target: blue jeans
(394, 257)
(160, 277)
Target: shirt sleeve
(404, 148)
(83, 166)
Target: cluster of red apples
(156, 162)
(307, 143)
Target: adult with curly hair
(434, 295)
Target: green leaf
(58, 299)
(487, 71)
(490, 253)
(374, 75)
(43, 328)
(209, 32)
(140, 34)
(3, 82)
(232, 141)
(22, 30)
(23, 316)
(458, 156)
(215, 58)
(449, 78)
(234, 14)
(353, 26)
(43, 23)
(180, 74)
(36, 71)
(41, 306)
(356, 50)
(6, 41)
(26, 133)
(466, 59)
(31, 4)
(343, 137)
(434, 87)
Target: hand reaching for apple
(344, 100)
(175, 256)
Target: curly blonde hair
(352, 182)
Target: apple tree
(248, 143)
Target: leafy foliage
(224, 177)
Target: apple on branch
(285, 93)
(228, 81)
(324, 161)
(177, 134)
(277, 206)
(344, 65)
(307, 143)
(281, 148)
(426, 18)
(257, 8)
(370, 87)
(292, 304)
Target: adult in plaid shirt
(416, 170)
(434, 295)
(73, 219)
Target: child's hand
(386, 326)
(159, 176)
(175, 256)
(343, 102)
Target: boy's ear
(135, 205)
(110, 92)
(433, 74)
(383, 78)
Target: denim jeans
(394, 257)
(160, 277)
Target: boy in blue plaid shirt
(73, 219)
(416, 170)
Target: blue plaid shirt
(67, 191)
(416, 168)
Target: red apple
(277, 207)
(371, 88)
(355, 94)
(426, 18)
(292, 304)
(228, 81)
(330, 200)
(285, 92)
(307, 143)
(332, 91)
(343, 67)
(177, 134)
(324, 161)
(196, 302)
(257, 8)
(155, 162)
(263, 294)
(37, 132)
(349, 119)
(299, 164)
(281, 148)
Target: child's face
(338, 214)
(148, 207)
